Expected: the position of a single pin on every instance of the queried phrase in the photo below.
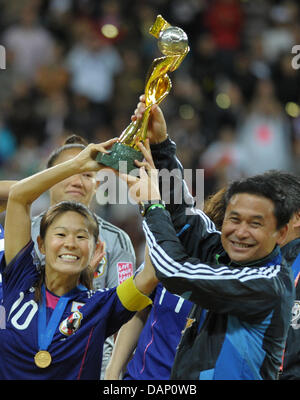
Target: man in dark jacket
(241, 286)
(290, 249)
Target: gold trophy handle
(158, 86)
(173, 43)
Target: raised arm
(23, 193)
(129, 334)
(4, 192)
(173, 188)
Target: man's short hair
(261, 185)
(289, 183)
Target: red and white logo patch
(71, 324)
(125, 271)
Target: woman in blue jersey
(56, 324)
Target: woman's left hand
(86, 159)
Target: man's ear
(41, 245)
(296, 220)
(282, 234)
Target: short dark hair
(289, 183)
(72, 142)
(261, 185)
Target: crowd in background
(79, 66)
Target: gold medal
(42, 359)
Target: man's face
(249, 228)
(80, 187)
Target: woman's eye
(81, 237)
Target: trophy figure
(173, 43)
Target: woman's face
(69, 244)
(80, 188)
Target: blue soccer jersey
(156, 348)
(76, 347)
(1, 255)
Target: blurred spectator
(259, 66)
(8, 143)
(80, 65)
(265, 134)
(223, 160)
(131, 82)
(278, 37)
(22, 115)
(82, 117)
(93, 64)
(225, 19)
(204, 65)
(29, 42)
(243, 75)
(286, 79)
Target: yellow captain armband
(130, 297)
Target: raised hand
(157, 128)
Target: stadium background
(78, 66)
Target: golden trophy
(173, 43)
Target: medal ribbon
(46, 332)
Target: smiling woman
(71, 232)
(47, 306)
(119, 250)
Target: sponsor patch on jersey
(71, 324)
(295, 323)
(125, 271)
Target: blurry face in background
(80, 188)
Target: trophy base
(120, 153)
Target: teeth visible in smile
(68, 257)
(241, 245)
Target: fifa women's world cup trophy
(173, 43)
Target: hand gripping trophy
(173, 43)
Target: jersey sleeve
(22, 271)
(119, 262)
(119, 304)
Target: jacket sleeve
(173, 188)
(245, 292)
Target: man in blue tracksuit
(290, 249)
(241, 286)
